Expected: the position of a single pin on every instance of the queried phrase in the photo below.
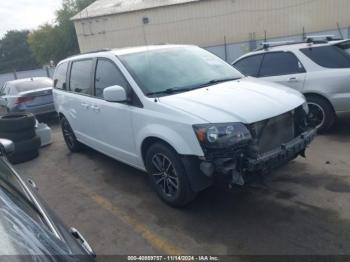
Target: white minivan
(180, 113)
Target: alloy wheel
(316, 115)
(68, 134)
(165, 176)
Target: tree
(46, 44)
(56, 42)
(15, 53)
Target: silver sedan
(32, 95)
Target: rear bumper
(280, 156)
(36, 110)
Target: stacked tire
(20, 129)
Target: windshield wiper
(174, 90)
(169, 91)
(218, 81)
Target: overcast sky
(26, 14)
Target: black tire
(165, 180)
(19, 135)
(322, 115)
(14, 122)
(28, 145)
(24, 157)
(69, 137)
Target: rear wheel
(321, 113)
(69, 137)
(168, 175)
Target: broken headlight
(222, 135)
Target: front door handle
(293, 79)
(76, 234)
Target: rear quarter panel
(334, 84)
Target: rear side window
(107, 74)
(280, 63)
(60, 76)
(249, 66)
(328, 56)
(80, 77)
(345, 46)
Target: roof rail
(320, 38)
(267, 45)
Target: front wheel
(168, 175)
(321, 114)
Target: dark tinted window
(345, 46)
(60, 76)
(29, 85)
(249, 66)
(107, 75)
(328, 56)
(80, 77)
(281, 63)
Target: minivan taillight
(24, 99)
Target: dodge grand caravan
(180, 113)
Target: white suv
(319, 69)
(179, 113)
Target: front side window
(107, 74)
(328, 56)
(176, 68)
(249, 66)
(60, 76)
(280, 63)
(80, 77)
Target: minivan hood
(247, 100)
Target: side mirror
(7, 147)
(115, 94)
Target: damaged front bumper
(279, 156)
(241, 166)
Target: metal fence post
(15, 74)
(47, 71)
(225, 42)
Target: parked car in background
(28, 229)
(32, 95)
(180, 113)
(320, 69)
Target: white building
(207, 23)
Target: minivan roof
(122, 51)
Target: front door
(111, 126)
(283, 68)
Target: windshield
(10, 182)
(180, 68)
(20, 234)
